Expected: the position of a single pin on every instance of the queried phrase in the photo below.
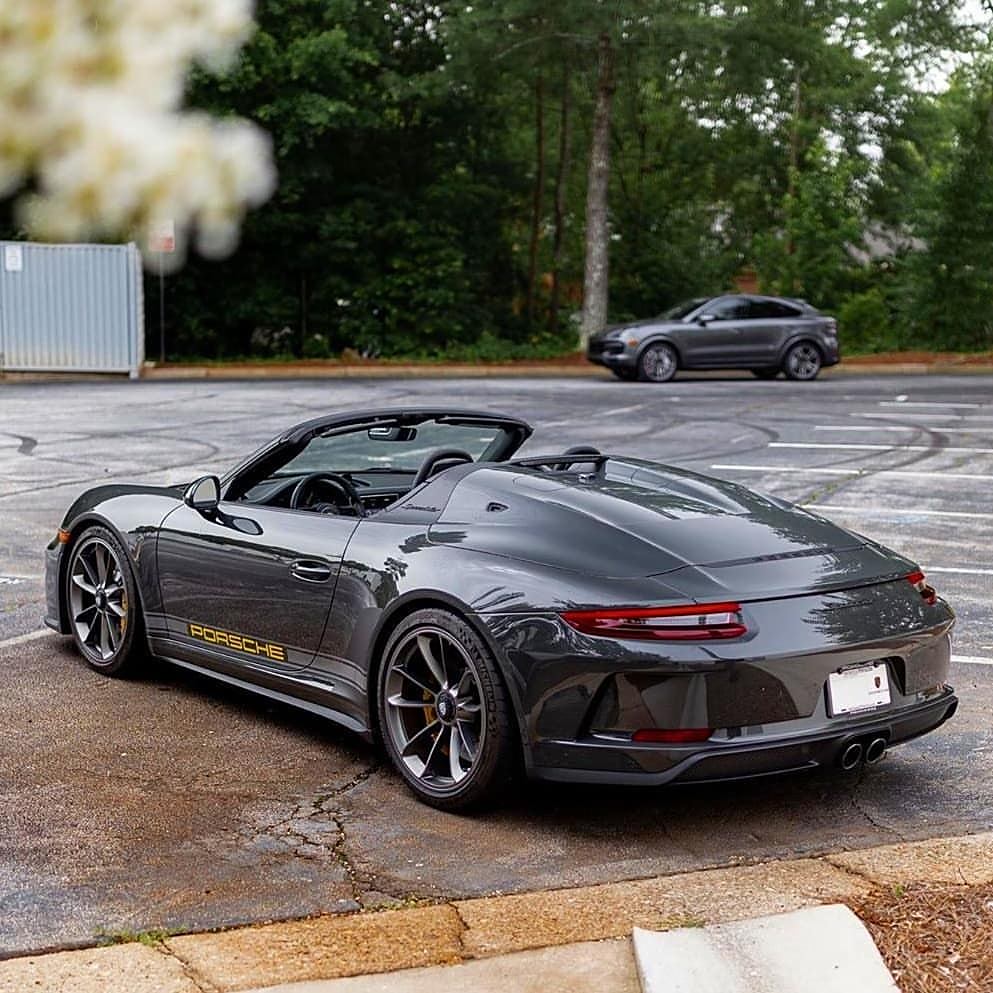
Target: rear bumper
(622, 763)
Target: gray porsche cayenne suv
(767, 335)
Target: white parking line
(897, 512)
(921, 403)
(23, 638)
(955, 569)
(842, 446)
(921, 417)
(971, 660)
(895, 427)
(832, 471)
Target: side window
(759, 310)
(728, 309)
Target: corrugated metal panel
(71, 308)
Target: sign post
(162, 241)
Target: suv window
(728, 308)
(759, 310)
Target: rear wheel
(765, 373)
(104, 611)
(444, 713)
(658, 363)
(803, 361)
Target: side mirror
(705, 319)
(203, 495)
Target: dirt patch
(934, 938)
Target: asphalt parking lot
(172, 802)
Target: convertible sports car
(579, 616)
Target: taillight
(672, 736)
(692, 622)
(919, 582)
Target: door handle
(310, 571)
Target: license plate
(863, 687)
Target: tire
(435, 667)
(102, 599)
(658, 363)
(765, 373)
(803, 361)
(628, 375)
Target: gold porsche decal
(239, 642)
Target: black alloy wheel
(104, 611)
(444, 715)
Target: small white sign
(162, 236)
(13, 258)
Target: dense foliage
(435, 171)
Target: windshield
(678, 312)
(361, 451)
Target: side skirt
(310, 706)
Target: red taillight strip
(672, 736)
(918, 580)
(687, 622)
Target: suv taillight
(919, 581)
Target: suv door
(767, 325)
(713, 337)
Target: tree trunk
(538, 194)
(596, 270)
(561, 182)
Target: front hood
(655, 323)
(640, 519)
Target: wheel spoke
(411, 745)
(89, 568)
(116, 607)
(434, 748)
(84, 584)
(114, 631)
(467, 710)
(398, 701)
(470, 750)
(455, 754)
(406, 675)
(465, 684)
(105, 648)
(101, 563)
(78, 618)
(427, 653)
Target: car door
(249, 587)
(713, 336)
(765, 328)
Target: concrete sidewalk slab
(134, 968)
(498, 925)
(815, 950)
(322, 947)
(589, 967)
(967, 860)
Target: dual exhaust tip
(869, 750)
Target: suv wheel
(802, 361)
(658, 363)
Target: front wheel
(803, 361)
(104, 612)
(658, 363)
(446, 721)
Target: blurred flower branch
(93, 140)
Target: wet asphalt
(172, 802)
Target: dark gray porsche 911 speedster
(579, 616)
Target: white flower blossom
(91, 120)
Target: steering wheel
(454, 456)
(344, 487)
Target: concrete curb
(458, 370)
(377, 942)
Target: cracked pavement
(171, 802)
